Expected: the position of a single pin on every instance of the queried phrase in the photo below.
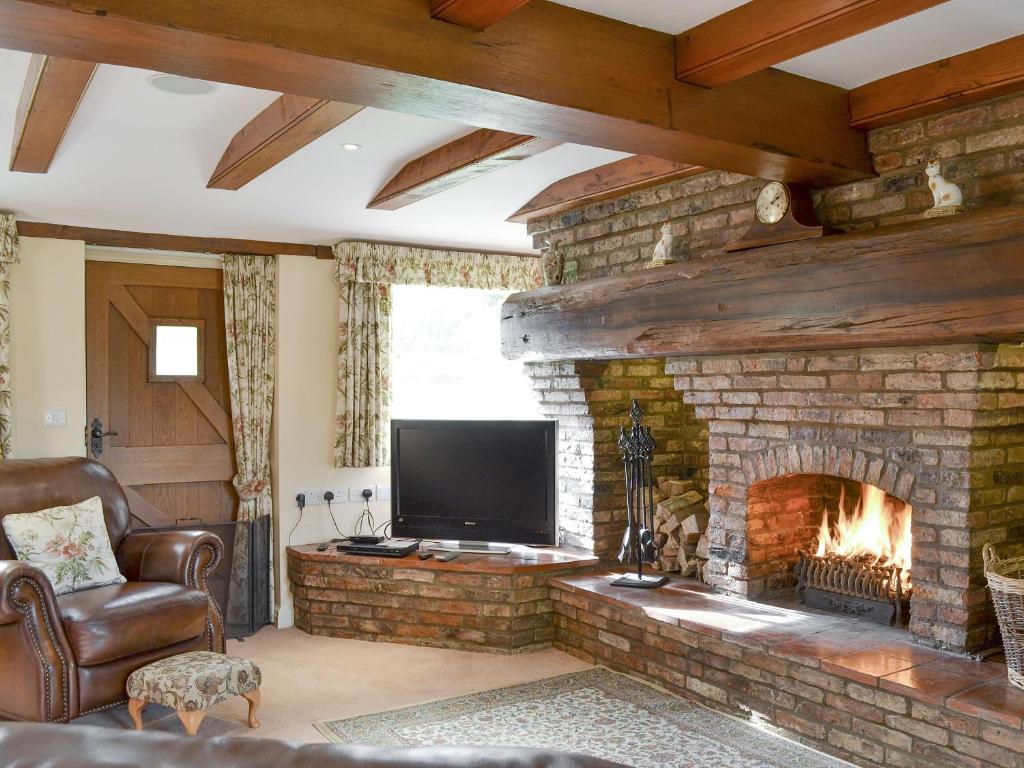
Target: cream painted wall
(48, 347)
(304, 417)
(48, 355)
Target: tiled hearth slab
(857, 690)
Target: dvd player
(385, 548)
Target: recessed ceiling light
(352, 147)
(181, 86)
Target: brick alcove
(940, 428)
(590, 399)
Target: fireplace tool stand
(637, 448)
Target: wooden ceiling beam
(475, 14)
(278, 132)
(762, 33)
(546, 70)
(603, 183)
(52, 92)
(973, 76)
(455, 163)
(117, 238)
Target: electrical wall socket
(340, 495)
(55, 419)
(355, 494)
(384, 492)
(314, 496)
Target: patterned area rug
(595, 712)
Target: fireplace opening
(837, 544)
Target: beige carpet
(309, 679)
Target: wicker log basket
(1006, 582)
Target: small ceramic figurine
(663, 250)
(948, 197)
(553, 262)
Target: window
(176, 350)
(446, 358)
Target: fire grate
(861, 589)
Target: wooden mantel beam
(545, 70)
(762, 33)
(455, 163)
(287, 125)
(979, 74)
(602, 183)
(939, 281)
(475, 14)
(53, 89)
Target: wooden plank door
(173, 452)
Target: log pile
(680, 527)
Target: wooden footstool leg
(135, 710)
(191, 720)
(253, 697)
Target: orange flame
(877, 532)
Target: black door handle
(96, 437)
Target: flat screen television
(481, 481)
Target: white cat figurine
(663, 250)
(948, 197)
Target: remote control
(425, 555)
(446, 557)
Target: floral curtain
(366, 272)
(8, 256)
(250, 307)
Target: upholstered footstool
(191, 683)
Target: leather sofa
(77, 746)
(65, 656)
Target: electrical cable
(329, 497)
(300, 501)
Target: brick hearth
(858, 691)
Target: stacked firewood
(680, 527)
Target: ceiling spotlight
(181, 86)
(351, 147)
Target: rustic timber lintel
(941, 281)
(117, 238)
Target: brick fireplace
(777, 436)
(939, 428)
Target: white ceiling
(138, 159)
(944, 30)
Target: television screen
(474, 480)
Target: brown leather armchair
(66, 656)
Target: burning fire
(877, 532)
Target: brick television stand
(475, 602)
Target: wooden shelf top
(521, 560)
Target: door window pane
(177, 350)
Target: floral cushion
(69, 544)
(193, 681)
